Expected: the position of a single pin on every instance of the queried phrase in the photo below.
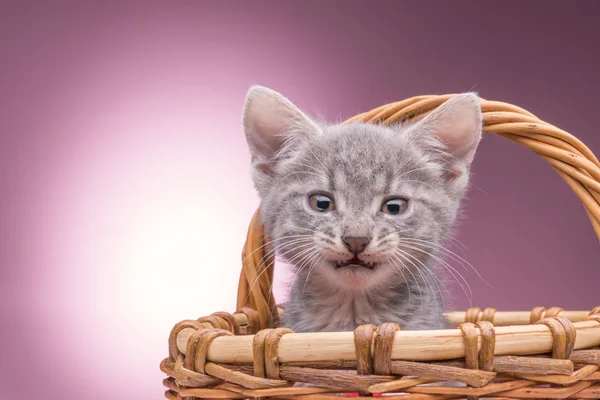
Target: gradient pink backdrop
(125, 190)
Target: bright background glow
(124, 181)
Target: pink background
(124, 185)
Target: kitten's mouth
(355, 263)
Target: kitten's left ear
(273, 125)
(457, 125)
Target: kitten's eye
(320, 202)
(394, 206)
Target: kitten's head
(359, 205)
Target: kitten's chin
(354, 276)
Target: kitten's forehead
(361, 157)
(358, 141)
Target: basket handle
(572, 159)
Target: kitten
(360, 210)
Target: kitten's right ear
(273, 126)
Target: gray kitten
(359, 210)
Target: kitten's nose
(356, 244)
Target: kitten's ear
(457, 125)
(273, 126)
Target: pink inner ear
(268, 123)
(457, 124)
(268, 119)
(458, 133)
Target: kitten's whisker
(314, 231)
(297, 241)
(271, 241)
(456, 242)
(302, 264)
(396, 255)
(257, 280)
(317, 256)
(439, 284)
(288, 240)
(299, 255)
(441, 287)
(292, 259)
(262, 264)
(468, 292)
(428, 284)
(298, 260)
(449, 268)
(406, 283)
(450, 254)
(436, 295)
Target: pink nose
(356, 244)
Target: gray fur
(361, 165)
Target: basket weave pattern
(545, 353)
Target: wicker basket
(544, 353)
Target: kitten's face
(359, 205)
(358, 187)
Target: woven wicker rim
(226, 356)
(572, 159)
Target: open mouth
(355, 263)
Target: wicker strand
(488, 345)
(271, 351)
(563, 336)
(173, 350)
(198, 357)
(470, 335)
(234, 327)
(382, 348)
(252, 321)
(473, 314)
(488, 314)
(363, 337)
(258, 353)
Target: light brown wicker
(545, 353)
